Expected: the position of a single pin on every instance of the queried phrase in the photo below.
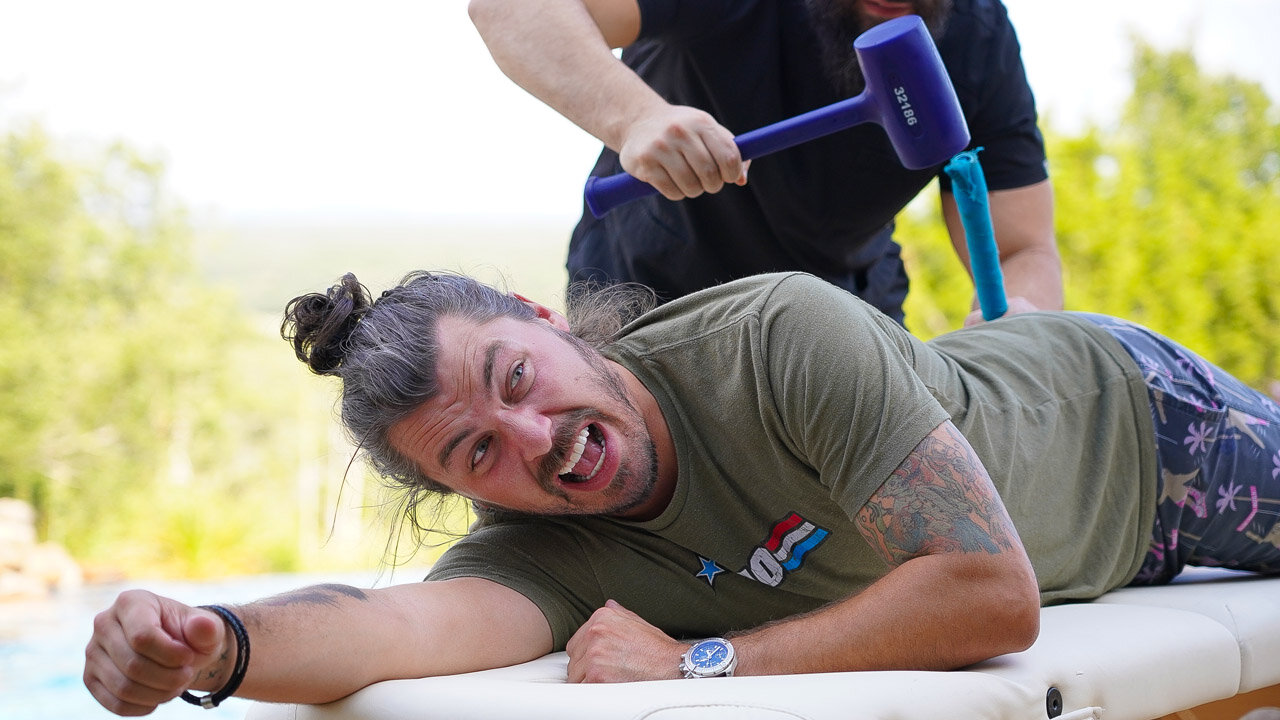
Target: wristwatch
(713, 657)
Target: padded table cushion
(1242, 602)
(1134, 654)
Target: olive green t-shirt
(789, 402)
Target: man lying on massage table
(769, 461)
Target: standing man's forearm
(1034, 274)
(1022, 219)
(561, 53)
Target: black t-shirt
(826, 206)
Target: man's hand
(683, 152)
(616, 645)
(147, 649)
(1017, 304)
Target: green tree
(1170, 219)
(1174, 219)
(151, 423)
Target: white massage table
(1207, 646)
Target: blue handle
(606, 193)
(970, 189)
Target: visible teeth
(575, 455)
(596, 469)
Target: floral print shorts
(1218, 459)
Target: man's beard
(637, 479)
(836, 24)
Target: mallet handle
(970, 189)
(606, 193)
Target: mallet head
(911, 91)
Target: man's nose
(530, 432)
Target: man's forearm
(1023, 223)
(1034, 273)
(931, 613)
(961, 588)
(325, 642)
(556, 51)
(1022, 220)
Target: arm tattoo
(939, 500)
(316, 595)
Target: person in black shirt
(694, 73)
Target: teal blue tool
(970, 190)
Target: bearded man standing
(694, 73)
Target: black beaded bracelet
(213, 699)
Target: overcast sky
(392, 110)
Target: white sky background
(392, 110)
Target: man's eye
(517, 372)
(478, 454)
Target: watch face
(711, 657)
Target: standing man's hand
(683, 152)
(616, 645)
(146, 650)
(561, 52)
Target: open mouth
(586, 457)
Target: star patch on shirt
(709, 571)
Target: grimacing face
(530, 419)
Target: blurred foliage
(145, 418)
(1171, 219)
(160, 426)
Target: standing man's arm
(313, 645)
(1022, 219)
(959, 589)
(560, 51)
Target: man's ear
(558, 321)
